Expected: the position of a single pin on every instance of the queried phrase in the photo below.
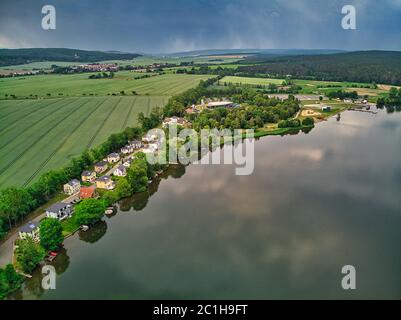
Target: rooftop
(73, 182)
(87, 192)
(219, 103)
(104, 179)
(113, 155)
(29, 227)
(57, 207)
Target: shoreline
(38, 213)
(260, 132)
(257, 134)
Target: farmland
(250, 81)
(79, 85)
(310, 86)
(38, 135)
(139, 61)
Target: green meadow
(39, 135)
(308, 86)
(57, 85)
(139, 61)
(250, 81)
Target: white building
(136, 144)
(31, 230)
(72, 187)
(113, 157)
(127, 163)
(127, 149)
(326, 108)
(219, 104)
(174, 121)
(150, 148)
(149, 138)
(121, 171)
(59, 211)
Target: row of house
(131, 147)
(63, 210)
(58, 211)
(175, 121)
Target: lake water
(315, 203)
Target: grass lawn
(278, 131)
(69, 226)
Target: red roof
(87, 192)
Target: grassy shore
(278, 131)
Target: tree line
(341, 94)
(17, 202)
(364, 66)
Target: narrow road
(6, 248)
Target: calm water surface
(315, 203)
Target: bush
(51, 233)
(308, 121)
(123, 189)
(9, 281)
(89, 211)
(29, 254)
(110, 197)
(294, 123)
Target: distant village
(87, 67)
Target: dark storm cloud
(180, 25)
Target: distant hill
(361, 66)
(257, 52)
(22, 56)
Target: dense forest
(363, 66)
(22, 56)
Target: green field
(250, 81)
(146, 60)
(38, 135)
(308, 86)
(79, 85)
(38, 65)
(139, 61)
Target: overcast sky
(182, 25)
